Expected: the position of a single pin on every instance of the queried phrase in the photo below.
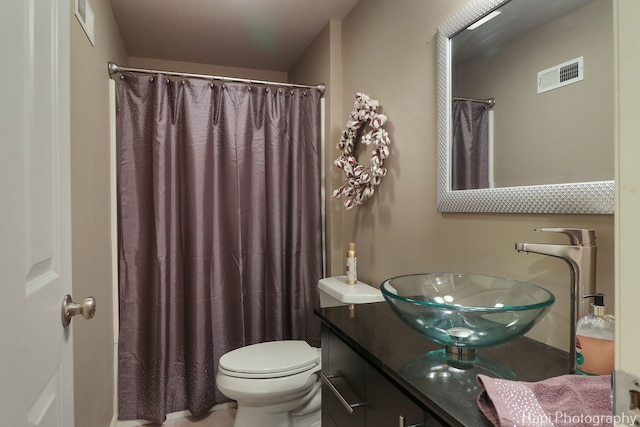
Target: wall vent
(84, 13)
(561, 75)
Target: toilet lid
(270, 359)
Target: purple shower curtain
(219, 233)
(470, 145)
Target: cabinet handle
(402, 424)
(348, 406)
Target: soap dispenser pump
(595, 339)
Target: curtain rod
(115, 69)
(489, 101)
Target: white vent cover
(84, 13)
(561, 75)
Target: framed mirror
(533, 95)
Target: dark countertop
(387, 343)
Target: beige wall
(399, 230)
(209, 69)
(322, 63)
(90, 211)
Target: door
(387, 405)
(627, 231)
(36, 377)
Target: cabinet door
(344, 385)
(388, 406)
(327, 421)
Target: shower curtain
(470, 145)
(219, 233)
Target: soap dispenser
(595, 339)
(351, 265)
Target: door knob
(69, 309)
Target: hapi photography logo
(573, 420)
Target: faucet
(580, 254)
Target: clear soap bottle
(351, 264)
(595, 335)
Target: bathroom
(386, 49)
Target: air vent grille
(561, 75)
(85, 16)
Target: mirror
(546, 141)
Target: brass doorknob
(69, 309)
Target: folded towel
(567, 400)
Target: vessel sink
(467, 310)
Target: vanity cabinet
(356, 394)
(374, 361)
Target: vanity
(375, 373)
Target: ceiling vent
(561, 75)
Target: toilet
(277, 383)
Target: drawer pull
(348, 406)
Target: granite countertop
(387, 343)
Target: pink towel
(567, 400)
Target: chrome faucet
(580, 254)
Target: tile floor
(220, 418)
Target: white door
(627, 206)
(36, 377)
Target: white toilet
(277, 383)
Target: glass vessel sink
(464, 312)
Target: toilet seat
(273, 359)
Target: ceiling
(259, 34)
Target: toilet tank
(335, 291)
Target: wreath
(361, 181)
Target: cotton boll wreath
(361, 181)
